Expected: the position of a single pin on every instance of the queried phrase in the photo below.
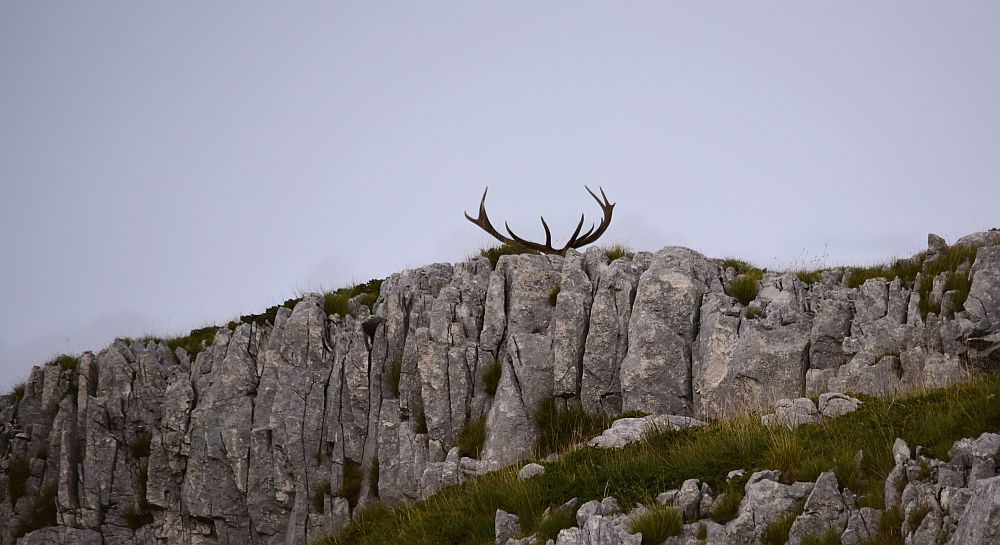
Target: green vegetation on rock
(464, 514)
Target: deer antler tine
(548, 233)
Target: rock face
(277, 431)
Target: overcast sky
(167, 167)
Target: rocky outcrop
(278, 430)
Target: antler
(575, 241)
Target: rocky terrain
(279, 431)
(933, 502)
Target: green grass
(350, 485)
(559, 429)
(917, 516)
(889, 530)
(491, 379)
(336, 302)
(558, 519)
(65, 362)
(657, 524)
(17, 392)
(776, 533)
(727, 503)
(616, 251)
(494, 253)
(829, 537)
(464, 514)
(754, 312)
(17, 478)
(554, 294)
(739, 265)
(195, 341)
(470, 440)
(392, 378)
(809, 277)
(42, 514)
(744, 288)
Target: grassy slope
(636, 473)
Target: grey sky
(164, 167)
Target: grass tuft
(727, 504)
(65, 362)
(657, 524)
(554, 294)
(744, 287)
(42, 514)
(829, 537)
(18, 472)
(558, 519)
(776, 533)
(318, 497)
(471, 439)
(350, 485)
(616, 251)
(491, 379)
(559, 429)
(917, 516)
(17, 392)
(494, 253)
(809, 277)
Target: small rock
(506, 526)
(901, 451)
(529, 471)
(833, 404)
(668, 497)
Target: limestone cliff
(277, 431)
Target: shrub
(554, 294)
(42, 514)
(319, 495)
(17, 479)
(350, 485)
(744, 288)
(393, 377)
(616, 251)
(471, 439)
(754, 312)
(558, 519)
(42, 452)
(776, 533)
(140, 445)
(657, 524)
(491, 378)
